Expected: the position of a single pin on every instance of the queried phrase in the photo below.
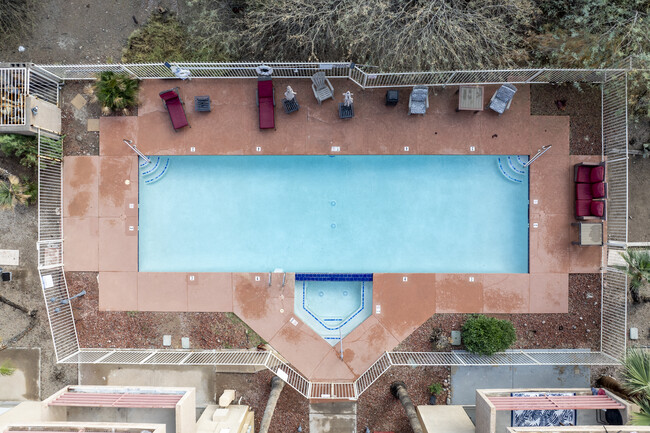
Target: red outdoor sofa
(174, 105)
(266, 103)
(591, 191)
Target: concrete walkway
(466, 380)
(333, 417)
(201, 378)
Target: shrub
(116, 92)
(487, 335)
(161, 39)
(6, 369)
(435, 388)
(22, 147)
(16, 19)
(12, 193)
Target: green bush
(116, 92)
(435, 388)
(22, 147)
(487, 335)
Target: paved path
(465, 380)
(334, 417)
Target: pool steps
(156, 169)
(514, 171)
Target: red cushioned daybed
(591, 191)
(174, 105)
(266, 103)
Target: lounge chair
(502, 98)
(588, 191)
(265, 103)
(590, 209)
(589, 173)
(174, 105)
(419, 100)
(322, 87)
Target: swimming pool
(342, 214)
(333, 304)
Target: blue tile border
(333, 277)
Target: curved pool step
(159, 172)
(149, 167)
(517, 167)
(507, 173)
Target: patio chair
(590, 209)
(174, 105)
(265, 103)
(502, 98)
(322, 87)
(419, 100)
(588, 191)
(585, 172)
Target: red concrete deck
(100, 212)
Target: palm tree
(636, 377)
(637, 269)
(12, 193)
(398, 389)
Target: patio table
(470, 98)
(589, 234)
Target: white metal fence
(364, 76)
(50, 241)
(50, 248)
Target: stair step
(160, 173)
(506, 174)
(152, 169)
(514, 167)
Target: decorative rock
(574, 327)
(79, 138)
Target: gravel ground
(583, 107)
(639, 197)
(74, 125)
(19, 232)
(291, 411)
(122, 329)
(579, 328)
(380, 411)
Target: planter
(346, 111)
(433, 399)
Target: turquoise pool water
(342, 214)
(332, 306)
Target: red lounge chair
(266, 103)
(587, 191)
(174, 106)
(590, 209)
(589, 173)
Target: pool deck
(100, 211)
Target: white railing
(50, 239)
(365, 76)
(199, 70)
(13, 95)
(43, 86)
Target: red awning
(98, 399)
(555, 402)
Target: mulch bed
(78, 141)
(142, 329)
(291, 411)
(582, 104)
(380, 411)
(579, 328)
